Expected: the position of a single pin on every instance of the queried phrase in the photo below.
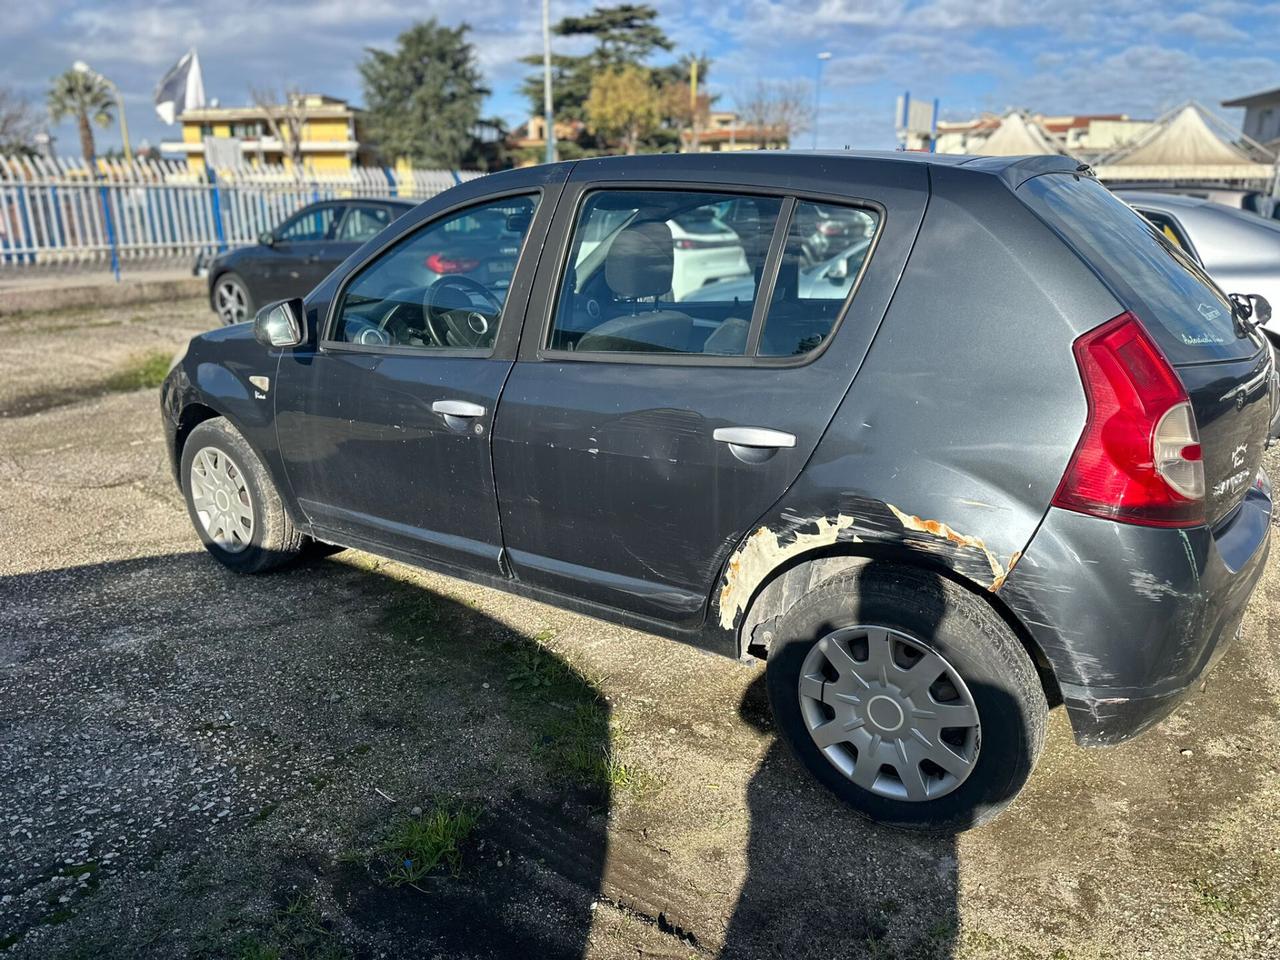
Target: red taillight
(439, 263)
(1139, 459)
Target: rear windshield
(1177, 302)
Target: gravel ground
(198, 764)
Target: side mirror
(279, 324)
(267, 238)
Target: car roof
(348, 201)
(1012, 170)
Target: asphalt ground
(196, 764)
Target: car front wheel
(231, 299)
(233, 504)
(908, 697)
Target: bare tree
(286, 115)
(17, 123)
(777, 111)
(793, 109)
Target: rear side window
(310, 226)
(1181, 307)
(681, 272)
(361, 223)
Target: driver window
(442, 287)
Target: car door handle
(457, 408)
(754, 444)
(759, 437)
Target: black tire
(231, 299)
(273, 540)
(964, 631)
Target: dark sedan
(295, 256)
(1005, 450)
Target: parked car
(290, 259)
(706, 249)
(1251, 201)
(1014, 462)
(1239, 250)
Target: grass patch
(581, 747)
(418, 845)
(298, 931)
(146, 371)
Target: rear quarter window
(1182, 308)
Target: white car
(706, 249)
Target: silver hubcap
(231, 303)
(221, 499)
(889, 713)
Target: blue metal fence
(62, 212)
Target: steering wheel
(452, 316)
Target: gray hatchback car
(1002, 455)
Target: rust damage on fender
(760, 555)
(936, 528)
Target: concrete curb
(69, 293)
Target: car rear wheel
(233, 504)
(908, 697)
(231, 299)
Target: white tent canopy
(1187, 144)
(1017, 137)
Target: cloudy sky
(1124, 56)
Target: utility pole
(548, 113)
(693, 106)
(823, 57)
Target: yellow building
(330, 134)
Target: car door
(296, 259)
(642, 432)
(384, 426)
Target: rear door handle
(754, 444)
(457, 408)
(758, 437)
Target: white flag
(181, 89)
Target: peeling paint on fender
(937, 528)
(762, 552)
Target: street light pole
(81, 67)
(548, 113)
(823, 57)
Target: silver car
(1239, 250)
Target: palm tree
(85, 96)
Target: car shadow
(824, 882)
(319, 707)
(209, 764)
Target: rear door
(1224, 366)
(645, 429)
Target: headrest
(641, 261)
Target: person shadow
(824, 882)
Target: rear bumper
(1130, 618)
